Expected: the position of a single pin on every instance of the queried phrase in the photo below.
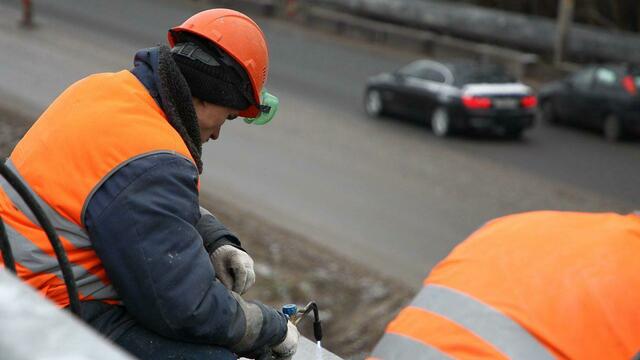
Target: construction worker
(539, 285)
(114, 162)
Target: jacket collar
(156, 70)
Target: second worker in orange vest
(114, 162)
(539, 285)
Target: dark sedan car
(455, 96)
(604, 97)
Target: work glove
(234, 268)
(263, 328)
(287, 348)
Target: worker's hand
(288, 347)
(234, 268)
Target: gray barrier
(338, 17)
(519, 63)
(528, 33)
(509, 38)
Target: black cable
(48, 228)
(5, 248)
(317, 325)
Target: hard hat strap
(194, 52)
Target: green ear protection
(268, 109)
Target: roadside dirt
(12, 127)
(355, 302)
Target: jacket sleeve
(142, 223)
(214, 233)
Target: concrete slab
(33, 328)
(25, 316)
(308, 350)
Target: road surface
(386, 193)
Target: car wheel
(612, 128)
(549, 113)
(373, 104)
(441, 122)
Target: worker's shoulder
(167, 161)
(111, 84)
(551, 223)
(558, 215)
(99, 79)
(168, 172)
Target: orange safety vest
(539, 285)
(95, 127)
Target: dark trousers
(119, 326)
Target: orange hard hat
(240, 37)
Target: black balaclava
(220, 84)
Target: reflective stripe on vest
(34, 259)
(490, 325)
(398, 347)
(65, 228)
(27, 254)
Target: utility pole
(565, 18)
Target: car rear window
(607, 78)
(485, 77)
(617, 79)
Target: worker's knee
(118, 325)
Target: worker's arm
(214, 233)
(233, 266)
(142, 223)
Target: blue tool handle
(290, 309)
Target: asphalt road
(387, 193)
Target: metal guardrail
(325, 15)
(422, 40)
(503, 28)
(438, 27)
